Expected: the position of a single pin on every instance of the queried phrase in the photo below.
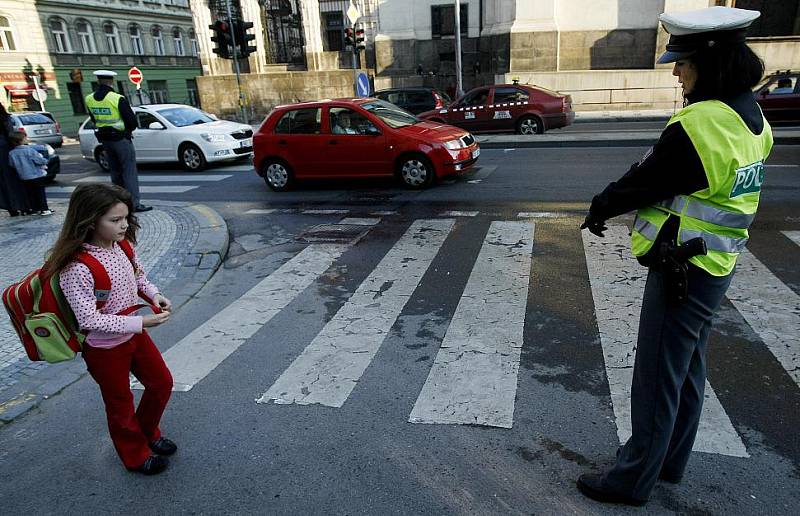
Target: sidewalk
(181, 246)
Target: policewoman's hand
(162, 302)
(150, 320)
(595, 227)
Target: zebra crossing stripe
(327, 371)
(794, 236)
(145, 178)
(197, 354)
(617, 281)
(474, 377)
(142, 189)
(771, 308)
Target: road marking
(459, 213)
(539, 215)
(360, 221)
(474, 377)
(617, 281)
(782, 166)
(383, 213)
(327, 371)
(142, 189)
(259, 212)
(159, 179)
(771, 308)
(794, 236)
(325, 212)
(197, 354)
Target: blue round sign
(362, 85)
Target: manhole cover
(334, 233)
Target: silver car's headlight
(454, 145)
(214, 137)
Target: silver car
(40, 127)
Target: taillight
(439, 101)
(58, 127)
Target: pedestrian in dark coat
(13, 196)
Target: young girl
(98, 217)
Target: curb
(201, 263)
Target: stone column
(395, 48)
(534, 36)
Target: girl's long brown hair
(87, 204)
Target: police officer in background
(700, 183)
(115, 122)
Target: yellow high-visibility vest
(106, 112)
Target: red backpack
(43, 318)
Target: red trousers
(130, 430)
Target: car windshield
(763, 83)
(183, 116)
(391, 115)
(34, 119)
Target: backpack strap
(127, 248)
(102, 282)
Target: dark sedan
(415, 100)
(779, 97)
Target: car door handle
(333, 142)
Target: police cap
(105, 73)
(691, 31)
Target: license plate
(476, 153)
(246, 143)
(43, 131)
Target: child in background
(31, 167)
(98, 217)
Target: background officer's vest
(106, 112)
(733, 159)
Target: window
(476, 98)
(193, 43)
(185, 116)
(504, 95)
(334, 31)
(177, 37)
(112, 38)
(158, 40)
(347, 121)
(85, 37)
(76, 98)
(60, 38)
(300, 121)
(136, 40)
(158, 92)
(786, 85)
(145, 119)
(443, 20)
(191, 92)
(6, 36)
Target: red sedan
(507, 107)
(353, 138)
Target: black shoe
(592, 487)
(163, 446)
(670, 477)
(140, 208)
(152, 466)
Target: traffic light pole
(355, 63)
(236, 64)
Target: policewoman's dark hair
(87, 204)
(724, 71)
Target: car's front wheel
(101, 157)
(416, 172)
(530, 125)
(192, 157)
(277, 175)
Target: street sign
(39, 95)
(362, 85)
(135, 76)
(353, 14)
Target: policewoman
(702, 179)
(114, 125)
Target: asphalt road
(351, 365)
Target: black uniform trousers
(668, 381)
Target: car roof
(357, 101)
(410, 88)
(162, 106)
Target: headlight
(50, 151)
(454, 145)
(211, 137)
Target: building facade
(157, 36)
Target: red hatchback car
(353, 138)
(507, 107)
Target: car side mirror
(371, 130)
(156, 125)
(213, 116)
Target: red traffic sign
(135, 75)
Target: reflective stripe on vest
(733, 160)
(106, 112)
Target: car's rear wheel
(277, 175)
(101, 157)
(530, 125)
(416, 172)
(192, 157)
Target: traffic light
(222, 38)
(361, 39)
(243, 39)
(348, 37)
